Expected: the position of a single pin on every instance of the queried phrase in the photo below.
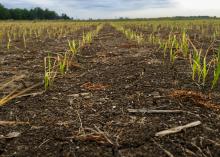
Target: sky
(85, 9)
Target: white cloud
(37, 2)
(198, 4)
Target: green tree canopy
(32, 14)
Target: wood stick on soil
(213, 142)
(31, 94)
(154, 111)
(177, 129)
(105, 136)
(5, 123)
(8, 82)
(43, 143)
(81, 129)
(14, 95)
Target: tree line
(32, 14)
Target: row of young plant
(137, 36)
(201, 62)
(27, 32)
(60, 63)
(131, 35)
(180, 45)
(55, 64)
(199, 29)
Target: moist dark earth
(86, 112)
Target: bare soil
(86, 114)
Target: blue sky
(122, 8)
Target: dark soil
(85, 113)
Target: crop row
(176, 41)
(26, 32)
(55, 63)
(60, 63)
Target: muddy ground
(86, 112)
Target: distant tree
(64, 16)
(51, 14)
(32, 14)
(17, 14)
(4, 13)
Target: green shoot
(139, 39)
(63, 63)
(1, 37)
(205, 70)
(216, 71)
(196, 67)
(164, 51)
(49, 73)
(173, 55)
(73, 46)
(83, 39)
(184, 44)
(9, 42)
(196, 62)
(89, 38)
(24, 40)
(47, 65)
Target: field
(113, 88)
